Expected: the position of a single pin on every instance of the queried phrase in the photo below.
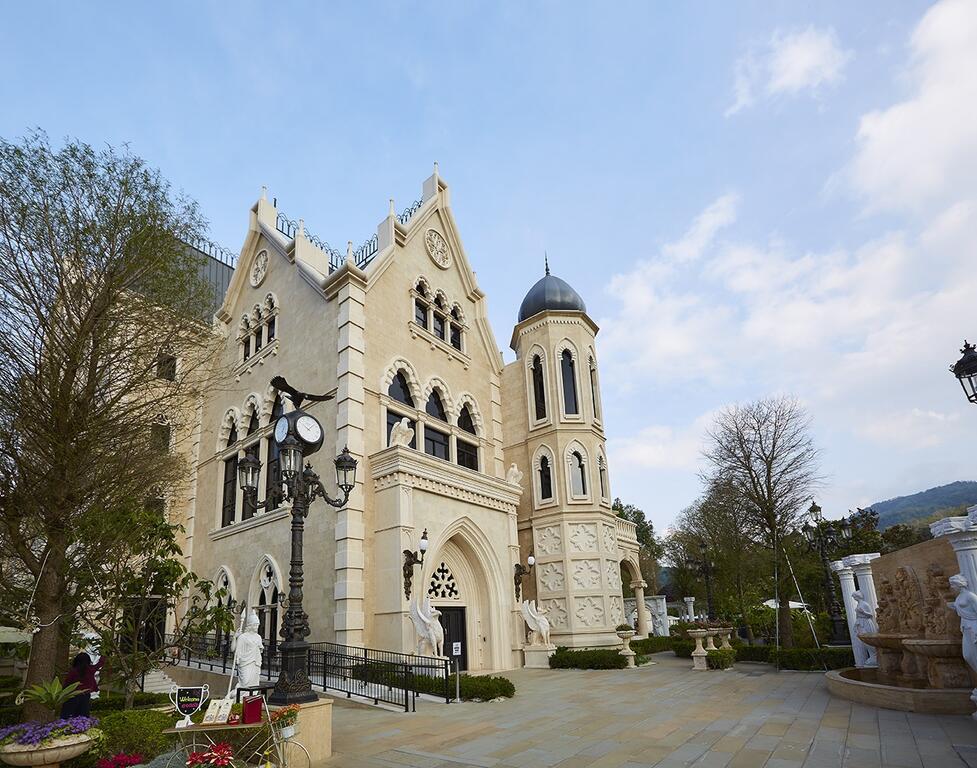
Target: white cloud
(922, 152)
(720, 214)
(791, 62)
(661, 446)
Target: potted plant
(47, 744)
(624, 631)
(285, 720)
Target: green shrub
(136, 730)
(681, 629)
(814, 658)
(720, 658)
(652, 645)
(683, 648)
(601, 658)
(753, 652)
(484, 687)
(111, 701)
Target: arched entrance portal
(633, 588)
(463, 582)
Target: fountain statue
(965, 605)
(865, 624)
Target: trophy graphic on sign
(188, 701)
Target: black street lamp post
(823, 538)
(705, 567)
(298, 435)
(965, 369)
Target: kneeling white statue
(248, 646)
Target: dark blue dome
(550, 293)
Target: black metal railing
(404, 217)
(215, 251)
(381, 676)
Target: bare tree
(104, 348)
(764, 454)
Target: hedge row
(652, 644)
(564, 658)
(683, 648)
(721, 658)
(814, 658)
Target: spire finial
(392, 211)
(264, 192)
(546, 261)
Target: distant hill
(944, 501)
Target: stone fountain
(920, 665)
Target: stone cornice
(856, 561)
(550, 317)
(399, 465)
(838, 566)
(949, 525)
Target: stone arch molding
(231, 583)
(410, 373)
(232, 418)
(253, 403)
(466, 398)
(259, 582)
(541, 451)
(436, 383)
(576, 446)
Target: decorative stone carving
(549, 540)
(659, 615)
(590, 611)
(556, 611)
(259, 269)
(437, 248)
(539, 625)
(965, 605)
(443, 584)
(613, 570)
(609, 535)
(551, 577)
(430, 634)
(909, 598)
(583, 537)
(887, 614)
(586, 574)
(247, 645)
(865, 624)
(940, 595)
(401, 433)
(514, 476)
(617, 610)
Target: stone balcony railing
(627, 531)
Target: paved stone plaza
(662, 715)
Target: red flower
(195, 758)
(220, 754)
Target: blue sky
(753, 198)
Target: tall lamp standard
(298, 435)
(822, 538)
(965, 369)
(705, 567)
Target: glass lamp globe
(345, 471)
(248, 469)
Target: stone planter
(626, 650)
(699, 654)
(52, 754)
(710, 635)
(724, 635)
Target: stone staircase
(157, 681)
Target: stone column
(846, 576)
(660, 610)
(639, 597)
(690, 607)
(962, 534)
(862, 566)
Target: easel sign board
(188, 700)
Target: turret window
(545, 479)
(578, 474)
(435, 407)
(539, 389)
(399, 390)
(568, 371)
(593, 389)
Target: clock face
(259, 268)
(281, 429)
(308, 429)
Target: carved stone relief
(586, 574)
(617, 610)
(583, 537)
(613, 570)
(551, 577)
(556, 612)
(549, 541)
(909, 599)
(887, 613)
(610, 539)
(590, 611)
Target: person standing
(82, 672)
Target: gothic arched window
(399, 390)
(593, 389)
(578, 474)
(465, 420)
(435, 407)
(250, 500)
(545, 479)
(568, 371)
(229, 497)
(272, 478)
(539, 390)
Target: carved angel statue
(539, 625)
(401, 433)
(965, 605)
(430, 633)
(865, 624)
(513, 476)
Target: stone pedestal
(314, 732)
(626, 649)
(710, 635)
(690, 608)
(699, 654)
(724, 635)
(538, 656)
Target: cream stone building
(500, 461)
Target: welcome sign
(188, 700)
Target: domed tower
(554, 433)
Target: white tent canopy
(793, 604)
(13, 635)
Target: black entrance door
(455, 639)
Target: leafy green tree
(649, 547)
(900, 536)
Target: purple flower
(33, 733)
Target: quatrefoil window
(443, 584)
